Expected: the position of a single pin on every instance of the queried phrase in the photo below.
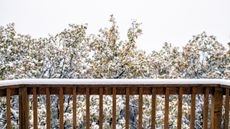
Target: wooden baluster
(35, 109)
(226, 106)
(216, 108)
(114, 108)
(205, 119)
(101, 108)
(153, 108)
(61, 111)
(127, 109)
(47, 108)
(140, 108)
(166, 117)
(8, 116)
(74, 109)
(87, 109)
(23, 109)
(179, 117)
(193, 108)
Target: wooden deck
(218, 89)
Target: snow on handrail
(112, 81)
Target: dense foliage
(73, 53)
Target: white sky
(162, 21)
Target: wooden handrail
(218, 89)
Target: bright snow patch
(114, 81)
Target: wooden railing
(218, 89)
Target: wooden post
(74, 109)
(179, 117)
(61, 111)
(140, 108)
(153, 108)
(114, 107)
(101, 108)
(226, 106)
(216, 108)
(127, 109)
(166, 117)
(23, 108)
(205, 117)
(48, 115)
(87, 108)
(193, 109)
(35, 108)
(8, 116)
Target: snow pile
(113, 81)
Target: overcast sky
(162, 21)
